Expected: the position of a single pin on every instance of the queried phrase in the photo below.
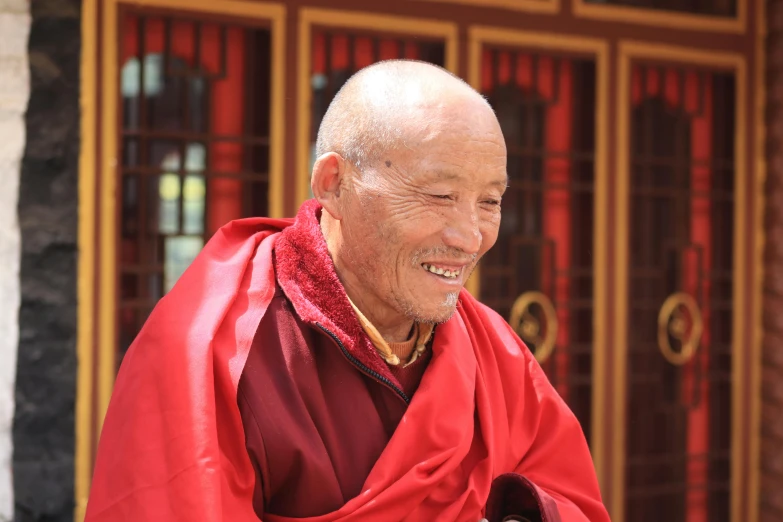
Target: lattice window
(680, 295)
(722, 8)
(338, 54)
(540, 273)
(194, 147)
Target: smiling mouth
(448, 273)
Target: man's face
(416, 224)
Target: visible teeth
(451, 274)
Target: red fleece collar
(307, 276)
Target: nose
(463, 230)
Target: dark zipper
(356, 362)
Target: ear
(327, 182)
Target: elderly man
(332, 368)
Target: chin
(437, 313)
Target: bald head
(384, 105)
(405, 237)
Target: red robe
(485, 434)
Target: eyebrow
(443, 175)
(502, 183)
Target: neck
(393, 326)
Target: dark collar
(307, 276)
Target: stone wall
(14, 91)
(771, 507)
(43, 431)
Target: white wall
(14, 92)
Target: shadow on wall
(45, 390)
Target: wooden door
(540, 275)
(628, 258)
(194, 146)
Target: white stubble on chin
(446, 310)
(451, 300)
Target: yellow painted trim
(237, 8)
(277, 14)
(309, 17)
(666, 19)
(599, 49)
(86, 266)
(473, 284)
(756, 351)
(628, 51)
(529, 6)
(601, 268)
(616, 507)
(739, 326)
(107, 303)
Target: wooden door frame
(737, 64)
(597, 50)
(98, 206)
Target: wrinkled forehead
(459, 153)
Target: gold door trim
(669, 323)
(521, 319)
(665, 19)
(309, 17)
(86, 265)
(105, 211)
(760, 168)
(628, 51)
(530, 6)
(599, 50)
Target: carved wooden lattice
(540, 274)
(194, 147)
(680, 295)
